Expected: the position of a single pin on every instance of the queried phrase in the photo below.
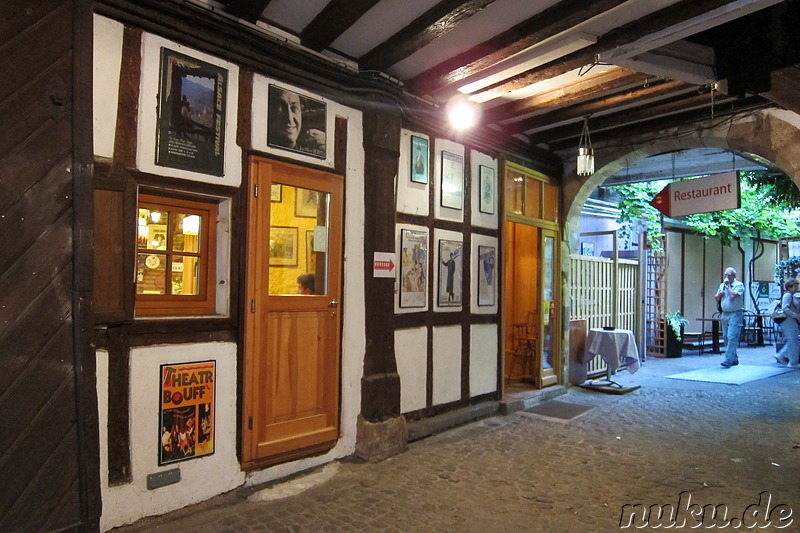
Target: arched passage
(771, 134)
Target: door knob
(333, 303)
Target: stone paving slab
(713, 443)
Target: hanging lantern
(585, 152)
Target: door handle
(333, 303)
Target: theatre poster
(187, 411)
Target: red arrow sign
(661, 201)
(384, 265)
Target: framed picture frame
(587, 248)
(311, 255)
(486, 275)
(283, 246)
(413, 268)
(420, 159)
(451, 273)
(296, 122)
(276, 192)
(190, 128)
(452, 181)
(486, 186)
(306, 203)
(186, 428)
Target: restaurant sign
(719, 192)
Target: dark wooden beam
(624, 35)
(548, 23)
(638, 98)
(437, 21)
(610, 125)
(332, 21)
(618, 79)
(249, 10)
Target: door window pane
(298, 241)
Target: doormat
(735, 375)
(557, 409)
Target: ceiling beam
(570, 133)
(249, 10)
(644, 96)
(335, 19)
(437, 21)
(660, 20)
(548, 23)
(596, 86)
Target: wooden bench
(697, 340)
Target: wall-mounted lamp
(462, 114)
(585, 152)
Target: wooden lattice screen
(655, 303)
(604, 292)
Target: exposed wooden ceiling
(537, 69)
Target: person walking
(731, 296)
(790, 353)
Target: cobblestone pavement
(721, 444)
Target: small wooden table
(715, 322)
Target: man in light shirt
(731, 296)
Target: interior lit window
(175, 245)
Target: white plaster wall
(446, 213)
(411, 351)
(107, 62)
(259, 121)
(478, 271)
(148, 114)
(446, 364)
(398, 255)
(484, 220)
(412, 197)
(483, 359)
(438, 235)
(201, 478)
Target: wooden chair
(524, 357)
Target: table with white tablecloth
(615, 346)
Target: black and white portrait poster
(450, 273)
(296, 122)
(191, 114)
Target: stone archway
(772, 134)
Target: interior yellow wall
(283, 279)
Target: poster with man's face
(296, 122)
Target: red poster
(187, 411)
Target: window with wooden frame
(175, 256)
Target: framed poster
(296, 122)
(450, 273)
(413, 268)
(190, 129)
(452, 186)
(187, 411)
(282, 246)
(486, 261)
(587, 248)
(419, 159)
(276, 193)
(306, 202)
(486, 187)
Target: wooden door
(292, 334)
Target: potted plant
(675, 325)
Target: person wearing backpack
(789, 354)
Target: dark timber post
(381, 429)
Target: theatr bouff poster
(187, 411)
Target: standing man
(731, 295)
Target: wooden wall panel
(42, 417)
